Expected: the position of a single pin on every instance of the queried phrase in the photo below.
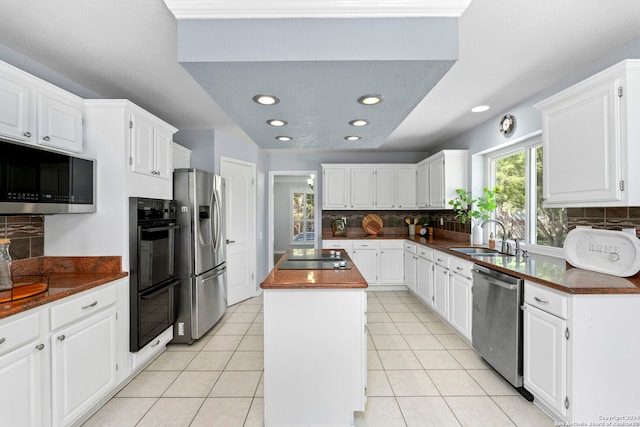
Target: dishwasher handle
(494, 281)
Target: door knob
(230, 241)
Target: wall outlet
(180, 328)
(441, 221)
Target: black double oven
(153, 258)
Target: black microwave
(35, 181)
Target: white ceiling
(509, 51)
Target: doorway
(294, 212)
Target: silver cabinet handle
(230, 241)
(27, 134)
(40, 347)
(2, 340)
(93, 304)
(61, 338)
(541, 301)
(459, 268)
(46, 138)
(155, 343)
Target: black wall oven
(154, 283)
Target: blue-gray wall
(201, 144)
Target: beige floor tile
(172, 361)
(193, 384)
(407, 317)
(398, 359)
(373, 361)
(222, 412)
(377, 384)
(411, 383)
(121, 412)
(389, 299)
(233, 329)
(412, 328)
(409, 299)
(455, 383)
(423, 342)
(378, 317)
(232, 309)
(469, 359)
(478, 411)
(418, 307)
(428, 317)
(380, 412)
(242, 317)
(210, 361)
(236, 384)
(375, 307)
(246, 361)
(256, 329)
(382, 328)
(259, 318)
(149, 384)
(453, 342)
(255, 418)
(389, 342)
(370, 343)
(248, 308)
(171, 412)
(437, 359)
(396, 307)
(492, 383)
(522, 412)
(438, 328)
(197, 345)
(427, 412)
(223, 343)
(403, 293)
(260, 389)
(252, 343)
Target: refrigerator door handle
(216, 201)
(214, 225)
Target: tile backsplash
(607, 218)
(26, 234)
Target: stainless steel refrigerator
(200, 209)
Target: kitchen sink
(478, 251)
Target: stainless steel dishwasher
(496, 330)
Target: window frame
(528, 146)
(305, 221)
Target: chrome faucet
(506, 246)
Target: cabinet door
(335, 188)
(545, 357)
(410, 271)
(425, 280)
(16, 106)
(367, 263)
(21, 394)
(460, 304)
(181, 157)
(83, 365)
(142, 146)
(406, 188)
(441, 290)
(60, 123)
(362, 188)
(436, 182)
(391, 267)
(385, 188)
(163, 153)
(422, 185)
(584, 121)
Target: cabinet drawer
(460, 266)
(391, 244)
(410, 247)
(82, 306)
(546, 299)
(15, 333)
(441, 259)
(365, 244)
(425, 253)
(337, 244)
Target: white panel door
(21, 394)
(366, 261)
(460, 304)
(15, 111)
(441, 291)
(240, 199)
(436, 183)
(385, 188)
(335, 188)
(406, 188)
(59, 123)
(142, 142)
(410, 270)
(425, 280)
(362, 188)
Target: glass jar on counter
(5, 265)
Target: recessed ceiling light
(352, 138)
(284, 138)
(480, 108)
(276, 122)
(370, 99)
(359, 122)
(266, 99)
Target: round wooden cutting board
(372, 224)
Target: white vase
(476, 232)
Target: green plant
(424, 220)
(463, 205)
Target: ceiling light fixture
(284, 138)
(359, 122)
(276, 122)
(352, 138)
(370, 99)
(480, 108)
(266, 99)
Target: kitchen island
(315, 340)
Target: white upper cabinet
(181, 156)
(362, 187)
(151, 146)
(35, 112)
(439, 176)
(335, 187)
(406, 187)
(593, 122)
(386, 187)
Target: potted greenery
(463, 206)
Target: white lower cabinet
(390, 267)
(365, 257)
(460, 296)
(441, 286)
(425, 275)
(410, 267)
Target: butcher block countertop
(65, 275)
(548, 271)
(313, 278)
